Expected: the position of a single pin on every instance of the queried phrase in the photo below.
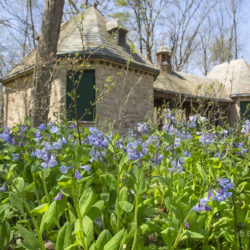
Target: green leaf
(86, 201)
(216, 162)
(169, 235)
(190, 234)
(88, 229)
(49, 217)
(202, 172)
(142, 184)
(4, 234)
(96, 210)
(103, 238)
(40, 209)
(113, 221)
(16, 202)
(160, 179)
(65, 237)
(109, 180)
(123, 194)
(105, 197)
(126, 206)
(29, 237)
(19, 183)
(114, 243)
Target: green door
(245, 110)
(84, 83)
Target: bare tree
(45, 61)
(183, 29)
(145, 15)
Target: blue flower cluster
(96, 139)
(221, 195)
(246, 127)
(7, 137)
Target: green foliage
(185, 187)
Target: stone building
(223, 93)
(115, 80)
(117, 85)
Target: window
(245, 110)
(85, 95)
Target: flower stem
(178, 237)
(76, 203)
(136, 209)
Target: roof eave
(240, 95)
(19, 73)
(94, 55)
(191, 96)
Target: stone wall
(17, 98)
(235, 109)
(129, 98)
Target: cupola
(163, 56)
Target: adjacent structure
(224, 92)
(117, 86)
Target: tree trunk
(45, 61)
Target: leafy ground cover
(184, 187)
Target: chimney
(117, 31)
(164, 59)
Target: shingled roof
(234, 75)
(190, 86)
(89, 31)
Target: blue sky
(244, 32)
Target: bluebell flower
(242, 149)
(142, 127)
(120, 144)
(226, 184)
(186, 224)
(202, 205)
(7, 137)
(77, 175)
(57, 145)
(3, 189)
(191, 125)
(47, 146)
(157, 159)
(64, 142)
(50, 162)
(38, 136)
(15, 156)
(186, 153)
(96, 155)
(54, 129)
(176, 165)
(23, 128)
(193, 118)
(172, 118)
(225, 132)
(206, 139)
(202, 118)
(86, 167)
(59, 196)
(96, 139)
(42, 127)
(64, 169)
(246, 127)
